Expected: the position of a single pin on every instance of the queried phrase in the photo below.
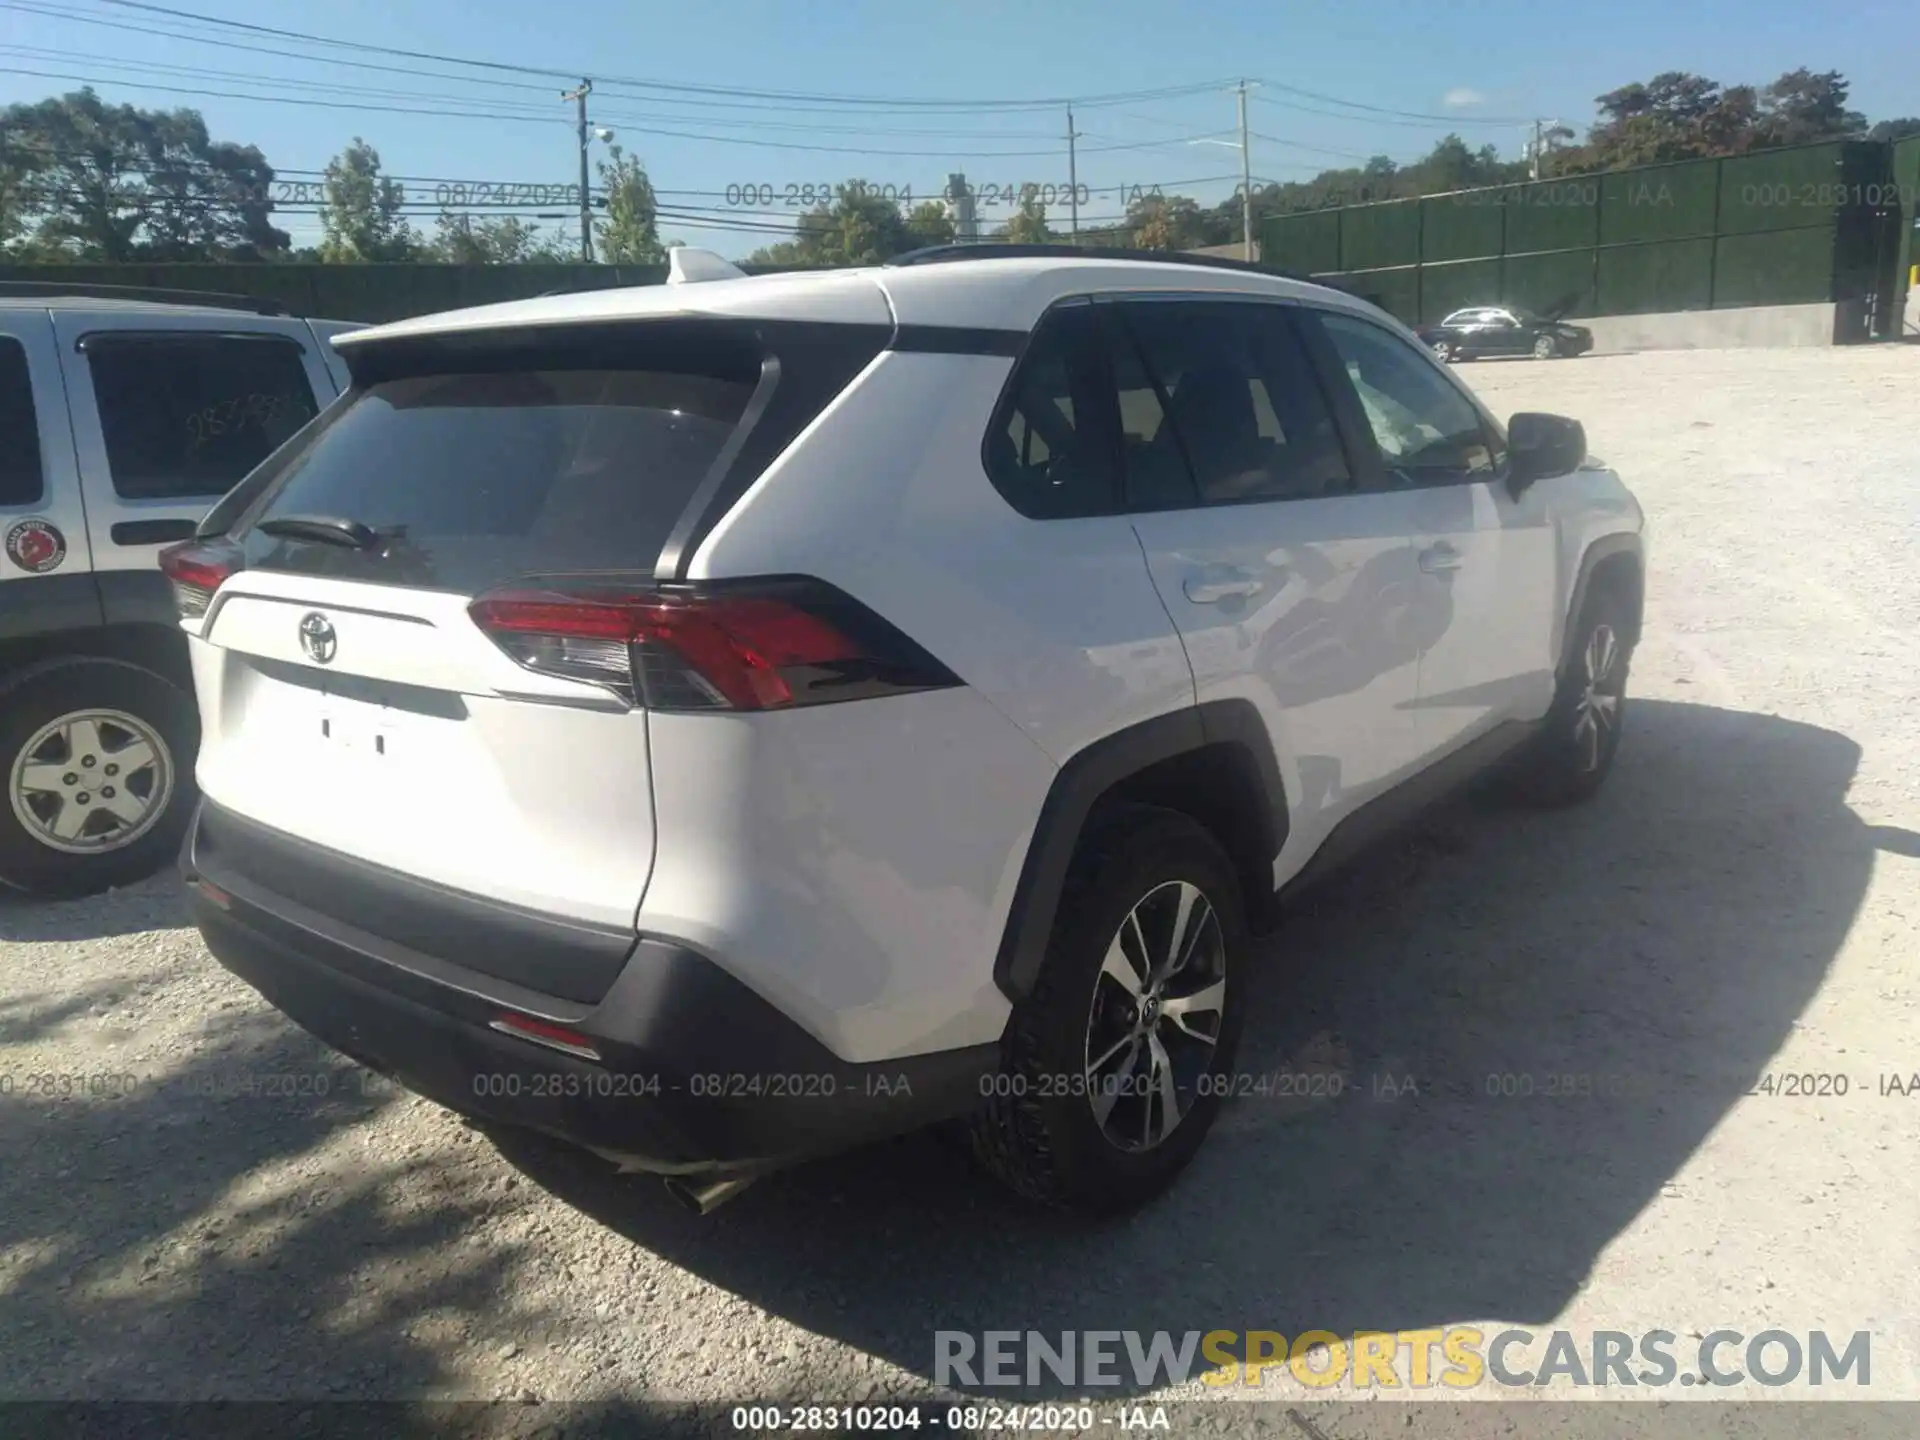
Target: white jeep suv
(724, 722)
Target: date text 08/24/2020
(789, 195)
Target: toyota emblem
(317, 638)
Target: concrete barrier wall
(1748, 326)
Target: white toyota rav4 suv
(724, 722)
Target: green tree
(629, 233)
(1898, 129)
(95, 181)
(1029, 223)
(362, 216)
(1802, 106)
(494, 240)
(858, 228)
(928, 223)
(1167, 222)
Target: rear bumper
(697, 1074)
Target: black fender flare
(1093, 773)
(1605, 548)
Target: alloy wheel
(1597, 714)
(1158, 1003)
(91, 781)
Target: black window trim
(38, 499)
(1334, 374)
(1107, 421)
(176, 337)
(1331, 395)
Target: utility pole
(1073, 171)
(1543, 137)
(1246, 181)
(586, 193)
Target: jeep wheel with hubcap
(1115, 1065)
(99, 758)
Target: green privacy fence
(1815, 223)
(1906, 184)
(370, 293)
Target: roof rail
(153, 294)
(992, 250)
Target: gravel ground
(1742, 900)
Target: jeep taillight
(764, 645)
(195, 569)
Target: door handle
(1212, 592)
(1439, 559)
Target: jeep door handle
(1212, 592)
(1439, 559)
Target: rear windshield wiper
(327, 529)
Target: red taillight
(545, 1032)
(763, 647)
(197, 568)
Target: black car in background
(1505, 330)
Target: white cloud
(1461, 97)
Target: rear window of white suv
(469, 480)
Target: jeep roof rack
(151, 294)
(992, 250)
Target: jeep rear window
(471, 479)
(20, 479)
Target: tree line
(1674, 116)
(84, 180)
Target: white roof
(993, 294)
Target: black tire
(1445, 353)
(1546, 347)
(1038, 1131)
(40, 695)
(1570, 759)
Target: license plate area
(353, 729)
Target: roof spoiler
(688, 266)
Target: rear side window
(20, 478)
(1223, 393)
(186, 416)
(470, 480)
(1048, 449)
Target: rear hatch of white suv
(417, 645)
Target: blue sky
(1484, 66)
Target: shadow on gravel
(1659, 943)
(180, 1236)
(153, 904)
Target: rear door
(347, 696)
(45, 582)
(1487, 563)
(1289, 585)
(170, 410)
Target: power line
(1370, 109)
(901, 102)
(949, 153)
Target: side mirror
(1541, 446)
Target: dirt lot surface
(1741, 902)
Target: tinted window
(1427, 430)
(471, 480)
(1219, 400)
(190, 415)
(1047, 449)
(20, 482)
